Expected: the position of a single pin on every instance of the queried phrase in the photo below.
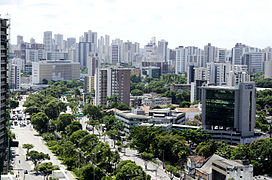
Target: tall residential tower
(4, 23)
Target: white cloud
(181, 22)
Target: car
(25, 172)
(22, 125)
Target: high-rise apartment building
(210, 54)
(237, 54)
(268, 54)
(32, 41)
(4, 24)
(195, 56)
(71, 42)
(73, 54)
(115, 53)
(163, 50)
(256, 62)
(228, 113)
(48, 41)
(222, 55)
(20, 39)
(181, 59)
(112, 81)
(34, 55)
(84, 49)
(268, 69)
(15, 77)
(217, 73)
(58, 42)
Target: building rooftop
(57, 62)
(218, 160)
(206, 168)
(187, 110)
(227, 163)
(197, 159)
(130, 115)
(186, 126)
(221, 87)
(164, 125)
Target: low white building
(158, 117)
(156, 101)
(217, 167)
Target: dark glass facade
(220, 106)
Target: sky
(180, 22)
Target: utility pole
(163, 159)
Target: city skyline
(179, 22)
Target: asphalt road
(27, 135)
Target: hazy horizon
(188, 23)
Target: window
(220, 107)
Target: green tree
(261, 156)
(13, 104)
(63, 121)
(192, 136)
(90, 172)
(136, 92)
(185, 104)
(32, 110)
(93, 112)
(36, 157)
(93, 123)
(28, 147)
(146, 157)
(40, 121)
(70, 163)
(114, 134)
(143, 137)
(122, 107)
(88, 142)
(103, 156)
(76, 136)
(129, 170)
(170, 147)
(210, 147)
(171, 171)
(46, 168)
(135, 79)
(53, 108)
(73, 127)
(112, 123)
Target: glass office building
(229, 112)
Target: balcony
(2, 127)
(2, 133)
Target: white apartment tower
(59, 42)
(181, 59)
(163, 50)
(210, 54)
(15, 77)
(48, 41)
(217, 73)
